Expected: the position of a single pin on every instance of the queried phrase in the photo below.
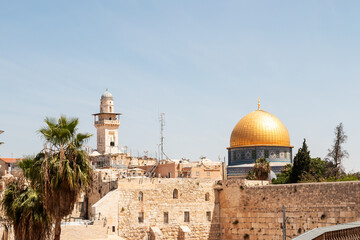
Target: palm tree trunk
(57, 228)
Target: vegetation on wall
(260, 171)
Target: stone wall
(256, 212)
(157, 199)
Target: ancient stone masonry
(256, 212)
(152, 207)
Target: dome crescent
(259, 128)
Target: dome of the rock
(259, 128)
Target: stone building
(9, 166)
(108, 153)
(160, 209)
(205, 168)
(258, 135)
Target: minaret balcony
(107, 122)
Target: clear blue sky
(203, 63)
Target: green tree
(284, 176)
(301, 163)
(261, 169)
(65, 168)
(24, 209)
(316, 172)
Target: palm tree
(65, 169)
(23, 207)
(261, 169)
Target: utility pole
(162, 122)
(284, 223)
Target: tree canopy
(53, 181)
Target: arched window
(175, 194)
(207, 197)
(141, 196)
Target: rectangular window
(112, 144)
(141, 217)
(166, 217)
(186, 216)
(266, 153)
(208, 216)
(197, 173)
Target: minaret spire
(258, 103)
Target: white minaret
(107, 123)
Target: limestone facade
(166, 208)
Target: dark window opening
(175, 194)
(112, 144)
(113, 228)
(208, 216)
(186, 216)
(141, 196)
(141, 217)
(166, 217)
(207, 197)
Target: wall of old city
(257, 212)
(119, 211)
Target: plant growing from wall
(260, 171)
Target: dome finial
(258, 103)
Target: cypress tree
(301, 163)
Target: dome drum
(246, 155)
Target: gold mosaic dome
(259, 128)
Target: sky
(203, 63)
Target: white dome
(106, 94)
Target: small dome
(106, 95)
(259, 128)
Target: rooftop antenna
(162, 124)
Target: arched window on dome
(207, 197)
(175, 194)
(141, 196)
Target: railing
(105, 121)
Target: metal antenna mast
(162, 122)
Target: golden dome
(259, 128)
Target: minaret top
(106, 95)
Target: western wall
(256, 212)
(237, 210)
